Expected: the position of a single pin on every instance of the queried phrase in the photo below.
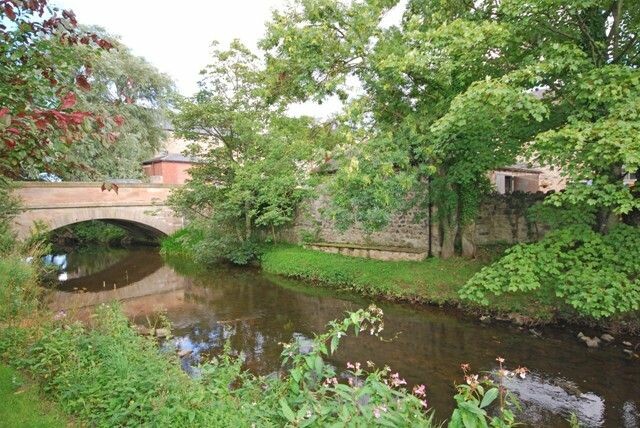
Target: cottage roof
(520, 167)
(171, 157)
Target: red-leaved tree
(40, 74)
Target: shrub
(18, 287)
(598, 275)
(91, 233)
(110, 376)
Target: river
(258, 312)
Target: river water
(257, 312)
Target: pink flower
(396, 381)
(330, 381)
(424, 403)
(349, 365)
(419, 390)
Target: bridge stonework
(56, 205)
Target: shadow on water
(256, 312)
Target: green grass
(22, 406)
(432, 280)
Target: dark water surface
(256, 312)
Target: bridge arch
(56, 205)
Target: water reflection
(255, 313)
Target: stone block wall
(501, 220)
(402, 231)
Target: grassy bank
(433, 281)
(22, 405)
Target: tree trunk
(449, 229)
(247, 222)
(469, 240)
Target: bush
(598, 275)
(90, 233)
(110, 376)
(207, 246)
(18, 287)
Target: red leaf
(9, 11)
(119, 120)
(78, 117)
(41, 123)
(104, 44)
(10, 144)
(3, 111)
(82, 82)
(68, 101)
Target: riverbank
(104, 373)
(432, 281)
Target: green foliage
(314, 397)
(110, 376)
(459, 89)
(90, 233)
(596, 274)
(126, 87)
(9, 207)
(183, 242)
(432, 280)
(254, 159)
(19, 289)
(475, 398)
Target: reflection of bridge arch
(56, 205)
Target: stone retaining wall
(501, 220)
(377, 253)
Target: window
(509, 183)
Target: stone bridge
(138, 207)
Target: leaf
(489, 397)
(82, 82)
(286, 410)
(472, 409)
(334, 343)
(68, 101)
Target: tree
(254, 159)
(462, 88)
(133, 92)
(40, 75)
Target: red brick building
(170, 168)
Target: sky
(176, 36)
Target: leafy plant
(478, 394)
(40, 76)
(596, 274)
